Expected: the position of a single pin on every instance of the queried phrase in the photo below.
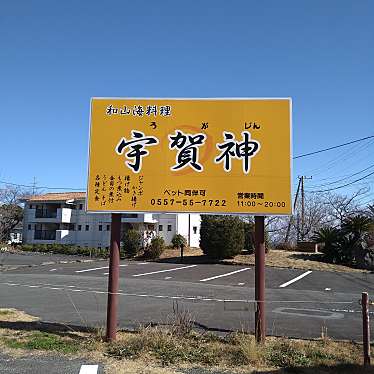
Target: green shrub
(132, 243)
(249, 236)
(221, 236)
(178, 241)
(155, 249)
(66, 249)
(287, 354)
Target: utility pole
(34, 186)
(302, 178)
(291, 218)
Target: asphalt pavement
(51, 364)
(299, 303)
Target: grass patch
(236, 350)
(43, 341)
(5, 312)
(178, 345)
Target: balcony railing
(45, 213)
(44, 235)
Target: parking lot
(219, 297)
(214, 274)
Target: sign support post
(112, 306)
(365, 328)
(260, 327)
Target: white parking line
(103, 267)
(89, 369)
(295, 279)
(164, 271)
(224, 275)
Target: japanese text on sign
(190, 155)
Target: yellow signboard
(190, 155)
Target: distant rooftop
(59, 196)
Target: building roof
(59, 196)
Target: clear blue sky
(56, 55)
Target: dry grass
(294, 260)
(275, 258)
(14, 315)
(176, 348)
(175, 253)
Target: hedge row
(65, 249)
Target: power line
(42, 187)
(334, 147)
(345, 185)
(352, 150)
(344, 178)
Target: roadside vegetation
(179, 345)
(65, 249)
(351, 243)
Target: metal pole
(365, 327)
(302, 208)
(182, 257)
(115, 238)
(260, 328)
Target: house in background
(61, 218)
(15, 236)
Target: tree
(132, 242)
(340, 207)
(11, 211)
(221, 236)
(350, 243)
(320, 210)
(178, 241)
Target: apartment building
(61, 218)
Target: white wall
(180, 224)
(188, 225)
(165, 220)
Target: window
(169, 227)
(80, 206)
(129, 215)
(194, 228)
(29, 227)
(107, 227)
(100, 227)
(30, 206)
(160, 227)
(87, 227)
(79, 227)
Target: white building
(61, 218)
